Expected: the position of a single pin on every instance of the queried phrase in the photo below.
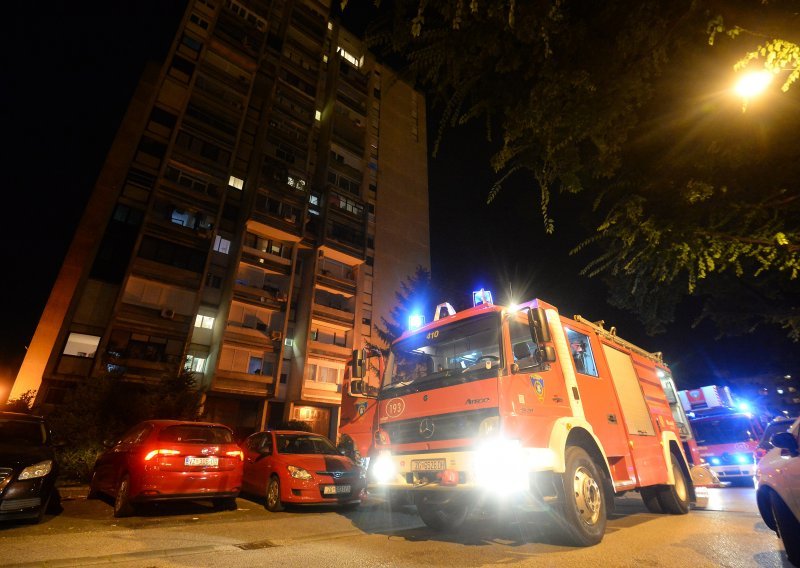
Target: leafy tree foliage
(24, 403)
(418, 294)
(622, 102)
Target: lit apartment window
(206, 322)
(195, 364)
(222, 245)
(317, 115)
(350, 58)
(81, 345)
(238, 183)
(330, 25)
(320, 374)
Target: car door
(790, 471)
(113, 461)
(257, 450)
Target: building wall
(251, 220)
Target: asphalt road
(729, 532)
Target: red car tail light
(154, 453)
(236, 454)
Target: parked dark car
(28, 467)
(287, 466)
(165, 460)
(779, 424)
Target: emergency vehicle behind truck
(511, 405)
(726, 437)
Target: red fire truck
(726, 436)
(520, 404)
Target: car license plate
(335, 489)
(210, 460)
(429, 465)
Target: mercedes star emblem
(426, 428)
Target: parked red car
(287, 466)
(160, 460)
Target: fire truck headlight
(383, 469)
(501, 466)
(489, 427)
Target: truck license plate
(429, 465)
(335, 489)
(210, 460)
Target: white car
(778, 489)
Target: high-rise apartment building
(263, 199)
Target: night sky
(69, 73)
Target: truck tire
(583, 502)
(650, 499)
(443, 516)
(674, 499)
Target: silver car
(778, 489)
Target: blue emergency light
(481, 297)
(415, 321)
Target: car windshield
(723, 430)
(305, 444)
(196, 434)
(28, 432)
(461, 348)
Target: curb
(69, 492)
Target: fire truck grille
(441, 427)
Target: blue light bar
(481, 297)
(415, 321)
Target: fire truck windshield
(723, 430)
(464, 350)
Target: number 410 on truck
(520, 405)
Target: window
(522, 346)
(254, 366)
(322, 374)
(195, 364)
(222, 245)
(206, 322)
(317, 115)
(213, 281)
(81, 345)
(582, 354)
(236, 182)
(350, 58)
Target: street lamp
(753, 83)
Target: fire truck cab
(522, 405)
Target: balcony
(266, 261)
(264, 296)
(322, 392)
(243, 383)
(286, 228)
(260, 336)
(342, 284)
(333, 317)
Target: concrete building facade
(264, 197)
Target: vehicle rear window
(191, 434)
(22, 432)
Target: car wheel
(274, 503)
(788, 528)
(225, 504)
(650, 498)
(583, 501)
(674, 499)
(94, 493)
(443, 517)
(122, 502)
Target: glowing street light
(753, 83)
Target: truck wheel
(443, 517)
(674, 499)
(788, 528)
(650, 498)
(583, 504)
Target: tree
(24, 403)
(418, 294)
(682, 193)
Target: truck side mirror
(356, 387)
(357, 364)
(548, 354)
(537, 322)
